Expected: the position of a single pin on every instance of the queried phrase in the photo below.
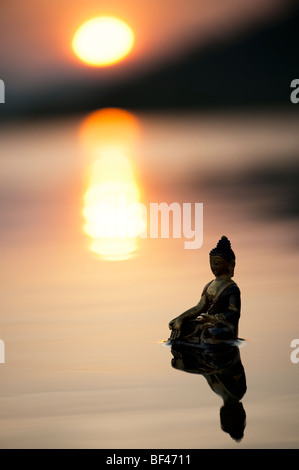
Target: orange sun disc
(103, 41)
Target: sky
(35, 45)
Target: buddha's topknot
(224, 249)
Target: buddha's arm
(192, 312)
(234, 307)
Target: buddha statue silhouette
(216, 316)
(223, 370)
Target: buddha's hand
(175, 325)
(204, 317)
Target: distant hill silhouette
(255, 70)
(252, 70)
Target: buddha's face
(219, 266)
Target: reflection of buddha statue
(224, 372)
(216, 316)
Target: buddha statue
(216, 316)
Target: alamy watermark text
(295, 354)
(2, 91)
(2, 351)
(295, 93)
(122, 219)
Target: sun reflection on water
(113, 219)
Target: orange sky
(36, 35)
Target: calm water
(85, 366)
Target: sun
(103, 41)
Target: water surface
(85, 366)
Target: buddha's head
(222, 258)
